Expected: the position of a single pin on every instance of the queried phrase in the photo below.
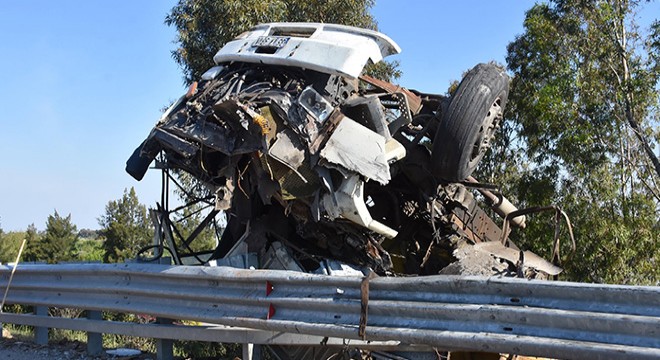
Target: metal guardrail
(558, 319)
(204, 332)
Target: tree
(89, 250)
(88, 234)
(204, 26)
(33, 251)
(58, 242)
(125, 227)
(2, 245)
(580, 132)
(10, 243)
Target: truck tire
(469, 124)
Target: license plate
(271, 41)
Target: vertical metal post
(41, 333)
(94, 340)
(251, 352)
(164, 347)
(256, 352)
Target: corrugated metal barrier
(542, 318)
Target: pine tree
(33, 249)
(125, 227)
(59, 240)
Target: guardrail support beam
(164, 347)
(41, 333)
(94, 340)
(251, 352)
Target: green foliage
(33, 244)
(89, 250)
(185, 349)
(206, 350)
(10, 243)
(113, 341)
(204, 26)
(579, 133)
(57, 243)
(33, 250)
(88, 234)
(125, 227)
(384, 70)
(59, 239)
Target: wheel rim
(489, 125)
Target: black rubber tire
(469, 123)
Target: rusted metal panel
(414, 100)
(476, 224)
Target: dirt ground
(14, 349)
(11, 349)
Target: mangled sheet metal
(356, 148)
(312, 163)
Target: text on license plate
(271, 41)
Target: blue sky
(83, 82)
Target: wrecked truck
(319, 167)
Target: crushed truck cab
(315, 163)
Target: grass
(182, 349)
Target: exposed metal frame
(167, 235)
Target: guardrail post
(164, 347)
(41, 333)
(251, 352)
(94, 340)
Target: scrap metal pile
(315, 163)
